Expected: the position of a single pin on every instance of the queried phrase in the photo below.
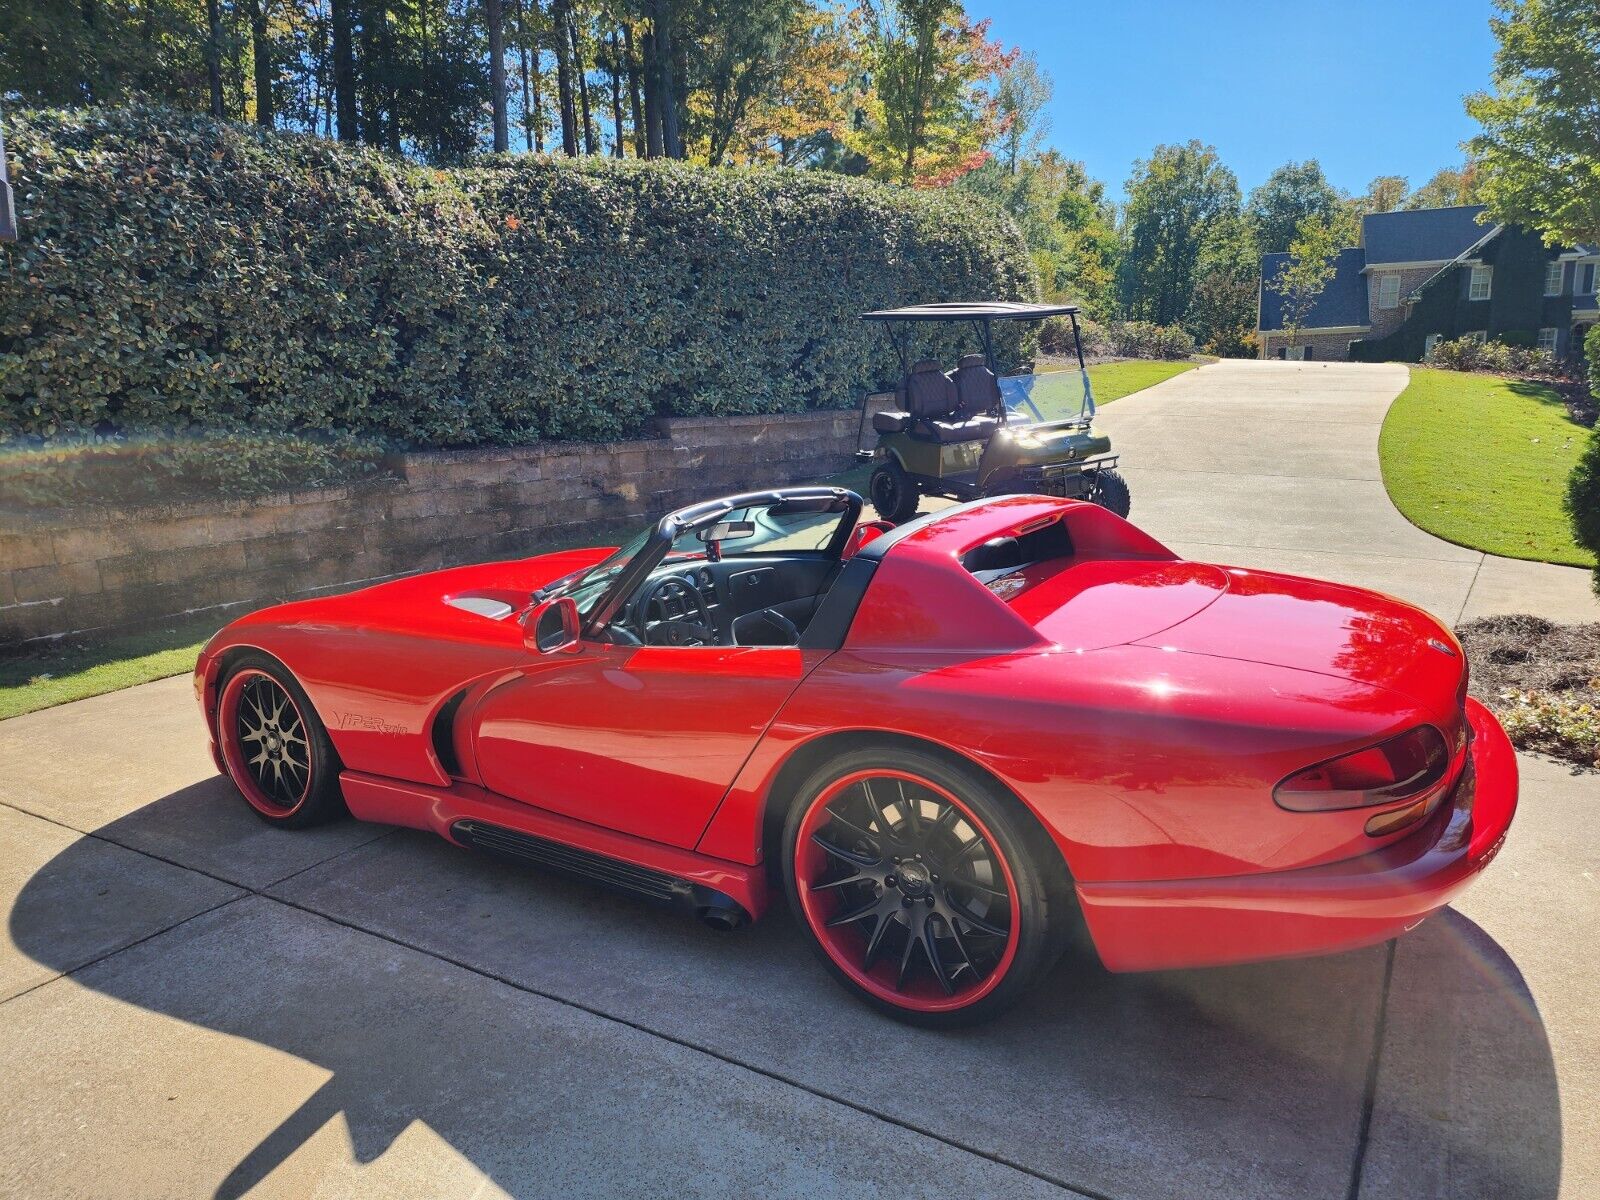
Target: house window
(1552, 277)
(1482, 278)
(1429, 342)
(1388, 291)
(1477, 335)
(1295, 353)
(1585, 280)
(1547, 340)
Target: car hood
(1331, 629)
(437, 603)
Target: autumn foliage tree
(932, 110)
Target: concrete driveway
(1275, 465)
(194, 1004)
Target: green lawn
(1113, 381)
(64, 671)
(1483, 462)
(74, 670)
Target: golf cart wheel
(893, 492)
(922, 887)
(275, 747)
(1110, 491)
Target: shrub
(1117, 339)
(178, 275)
(1141, 339)
(1494, 357)
(1583, 486)
(1055, 335)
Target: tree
(261, 53)
(930, 114)
(813, 91)
(344, 70)
(1175, 199)
(497, 74)
(1222, 314)
(1384, 194)
(1540, 146)
(1447, 188)
(1025, 89)
(738, 56)
(1066, 222)
(560, 35)
(1306, 273)
(1292, 193)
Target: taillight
(1393, 770)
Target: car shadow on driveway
(553, 1035)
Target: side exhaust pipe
(719, 912)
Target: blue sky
(1367, 87)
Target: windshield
(777, 529)
(1048, 396)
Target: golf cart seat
(891, 421)
(977, 389)
(958, 429)
(935, 408)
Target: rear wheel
(893, 492)
(921, 887)
(1110, 491)
(274, 746)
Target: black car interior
(961, 406)
(748, 570)
(754, 600)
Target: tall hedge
(1583, 487)
(175, 273)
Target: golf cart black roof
(982, 310)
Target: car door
(641, 739)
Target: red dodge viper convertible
(943, 740)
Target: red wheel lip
(233, 753)
(827, 938)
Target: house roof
(1421, 235)
(1342, 303)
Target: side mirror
(552, 627)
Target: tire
(275, 747)
(893, 492)
(1110, 491)
(935, 944)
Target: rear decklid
(1109, 602)
(1329, 628)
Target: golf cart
(971, 432)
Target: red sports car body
(1026, 694)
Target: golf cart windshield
(1047, 396)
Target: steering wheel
(673, 613)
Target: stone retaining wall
(104, 569)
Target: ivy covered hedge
(177, 277)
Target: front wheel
(275, 748)
(893, 492)
(922, 888)
(1110, 491)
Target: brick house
(1437, 273)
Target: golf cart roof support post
(1083, 370)
(986, 336)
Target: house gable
(1416, 237)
